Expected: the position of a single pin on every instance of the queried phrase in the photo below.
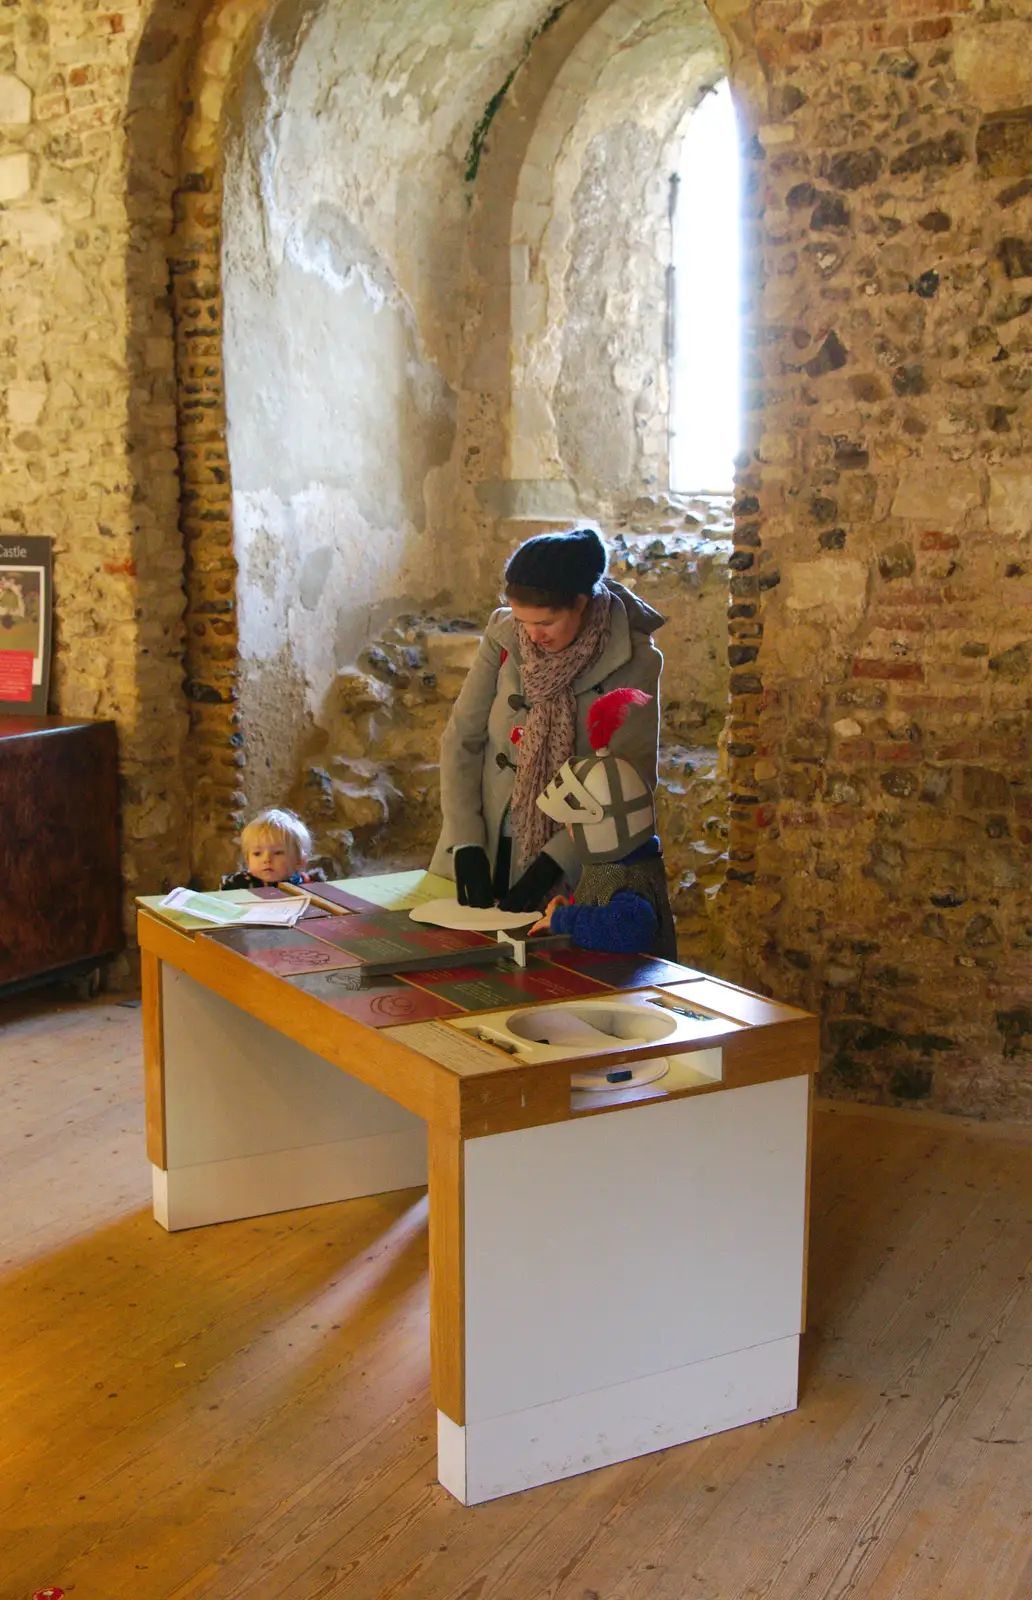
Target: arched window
(705, 359)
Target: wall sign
(25, 624)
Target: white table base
(632, 1280)
(257, 1124)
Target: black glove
(530, 892)
(473, 885)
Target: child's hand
(544, 923)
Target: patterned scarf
(550, 729)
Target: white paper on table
(274, 913)
(471, 919)
(227, 913)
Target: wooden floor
(244, 1410)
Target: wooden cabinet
(60, 875)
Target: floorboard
(244, 1411)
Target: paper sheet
(183, 919)
(472, 919)
(219, 910)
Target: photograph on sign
(25, 624)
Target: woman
(567, 635)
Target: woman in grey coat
(568, 635)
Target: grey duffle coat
(477, 753)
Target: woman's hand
(544, 924)
(530, 891)
(473, 886)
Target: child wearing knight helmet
(621, 902)
(275, 846)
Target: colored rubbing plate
(624, 972)
(506, 984)
(281, 950)
(381, 1002)
(340, 897)
(391, 941)
(393, 891)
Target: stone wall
(880, 759)
(88, 424)
(368, 780)
(879, 832)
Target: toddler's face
(271, 861)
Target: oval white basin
(590, 1027)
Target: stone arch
(407, 98)
(187, 64)
(531, 167)
(542, 243)
(189, 61)
(522, 192)
(210, 570)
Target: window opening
(705, 405)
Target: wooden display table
(609, 1274)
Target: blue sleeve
(627, 925)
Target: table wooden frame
(483, 1121)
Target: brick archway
(206, 518)
(184, 67)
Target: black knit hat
(559, 565)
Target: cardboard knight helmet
(604, 799)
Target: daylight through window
(705, 397)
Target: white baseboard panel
(285, 1180)
(502, 1455)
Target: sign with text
(25, 623)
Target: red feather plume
(608, 713)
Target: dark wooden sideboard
(60, 874)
